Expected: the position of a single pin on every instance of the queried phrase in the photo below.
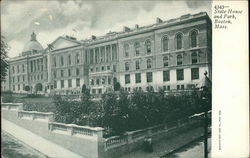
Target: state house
(169, 55)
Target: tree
(4, 52)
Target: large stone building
(169, 55)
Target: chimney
(136, 26)
(158, 20)
(93, 37)
(126, 29)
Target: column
(111, 50)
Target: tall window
(179, 59)
(77, 72)
(180, 74)
(194, 58)
(70, 83)
(138, 78)
(61, 73)
(127, 66)
(69, 72)
(13, 69)
(18, 69)
(149, 76)
(54, 61)
(166, 75)
(55, 84)
(194, 73)
(127, 78)
(23, 68)
(102, 54)
(78, 82)
(193, 37)
(114, 68)
(179, 41)
(62, 61)
(97, 81)
(69, 59)
(96, 55)
(149, 63)
(77, 58)
(165, 44)
(54, 72)
(126, 50)
(148, 46)
(62, 83)
(137, 49)
(137, 65)
(165, 61)
(91, 56)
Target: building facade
(169, 55)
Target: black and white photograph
(106, 79)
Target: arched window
(137, 49)
(148, 46)
(193, 39)
(179, 59)
(126, 66)
(194, 57)
(137, 65)
(126, 50)
(164, 44)
(165, 61)
(149, 63)
(179, 41)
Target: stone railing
(12, 106)
(75, 130)
(134, 136)
(37, 116)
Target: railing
(12, 106)
(116, 141)
(75, 130)
(34, 115)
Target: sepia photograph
(106, 79)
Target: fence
(12, 106)
(75, 130)
(34, 115)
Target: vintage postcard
(124, 79)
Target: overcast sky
(81, 19)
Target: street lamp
(205, 96)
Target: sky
(81, 19)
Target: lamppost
(205, 96)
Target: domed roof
(33, 44)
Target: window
(114, 68)
(96, 55)
(70, 83)
(13, 69)
(182, 87)
(179, 41)
(148, 46)
(179, 74)
(126, 50)
(179, 59)
(62, 83)
(69, 59)
(97, 81)
(61, 73)
(100, 91)
(178, 87)
(193, 37)
(41, 76)
(23, 78)
(78, 82)
(77, 58)
(93, 91)
(13, 87)
(97, 69)
(23, 87)
(103, 68)
(92, 82)
(77, 72)
(149, 63)
(55, 84)
(194, 73)
(165, 61)
(69, 72)
(103, 80)
(102, 54)
(18, 87)
(137, 49)
(137, 65)
(62, 61)
(194, 58)
(91, 56)
(164, 44)
(166, 75)
(54, 61)
(109, 80)
(18, 69)
(127, 78)
(149, 77)
(54, 72)
(138, 78)
(23, 68)
(108, 67)
(127, 66)
(18, 78)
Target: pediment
(61, 43)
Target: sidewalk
(44, 146)
(167, 145)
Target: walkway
(44, 146)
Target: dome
(33, 44)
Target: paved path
(44, 146)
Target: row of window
(69, 73)
(194, 60)
(69, 60)
(69, 83)
(166, 76)
(18, 87)
(37, 65)
(164, 43)
(36, 77)
(102, 68)
(99, 81)
(150, 88)
(19, 78)
(19, 68)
